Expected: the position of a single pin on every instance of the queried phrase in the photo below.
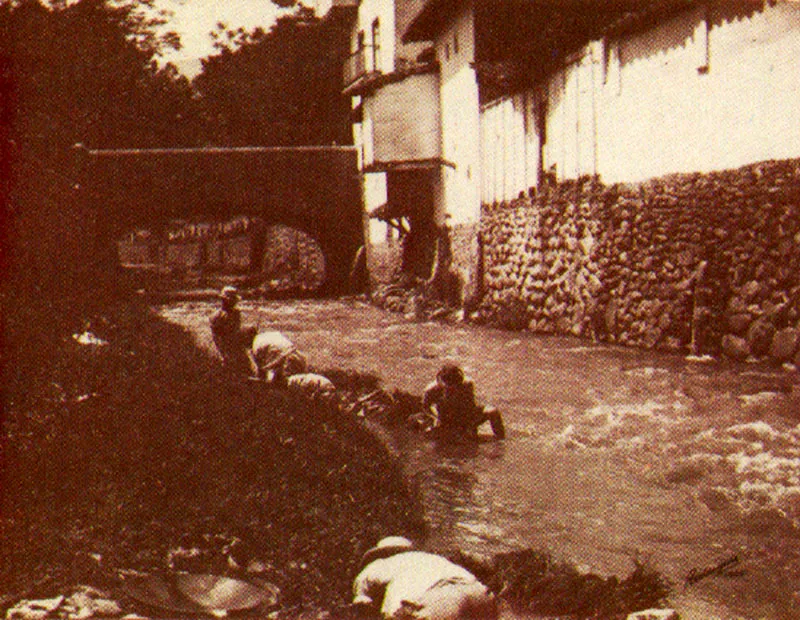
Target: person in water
(450, 398)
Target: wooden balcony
(359, 69)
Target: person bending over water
(451, 399)
(400, 583)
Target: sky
(193, 20)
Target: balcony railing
(359, 65)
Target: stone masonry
(704, 263)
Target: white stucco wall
(402, 122)
(571, 148)
(652, 112)
(637, 107)
(374, 188)
(509, 148)
(460, 121)
(368, 11)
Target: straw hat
(230, 292)
(387, 547)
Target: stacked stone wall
(466, 261)
(700, 262)
(383, 261)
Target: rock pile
(708, 262)
(293, 259)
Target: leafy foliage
(281, 87)
(533, 581)
(87, 72)
(135, 451)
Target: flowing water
(612, 455)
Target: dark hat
(451, 374)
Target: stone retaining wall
(700, 262)
(383, 261)
(466, 262)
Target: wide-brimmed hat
(230, 292)
(387, 547)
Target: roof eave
(429, 20)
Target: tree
(281, 87)
(87, 72)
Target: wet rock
(34, 610)
(87, 602)
(759, 337)
(735, 347)
(784, 345)
(769, 519)
(738, 323)
(88, 339)
(715, 500)
(654, 614)
(775, 312)
(750, 290)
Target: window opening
(376, 43)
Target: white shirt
(310, 384)
(406, 576)
(270, 348)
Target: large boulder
(735, 347)
(784, 344)
(736, 305)
(750, 290)
(759, 337)
(738, 323)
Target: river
(612, 454)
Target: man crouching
(450, 399)
(402, 583)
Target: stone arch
(312, 189)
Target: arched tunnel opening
(199, 217)
(269, 259)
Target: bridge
(312, 189)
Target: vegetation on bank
(142, 454)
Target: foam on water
(754, 463)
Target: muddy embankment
(127, 448)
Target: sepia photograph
(400, 309)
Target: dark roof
(604, 14)
(429, 21)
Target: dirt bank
(611, 452)
(135, 451)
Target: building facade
(710, 87)
(639, 166)
(394, 88)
